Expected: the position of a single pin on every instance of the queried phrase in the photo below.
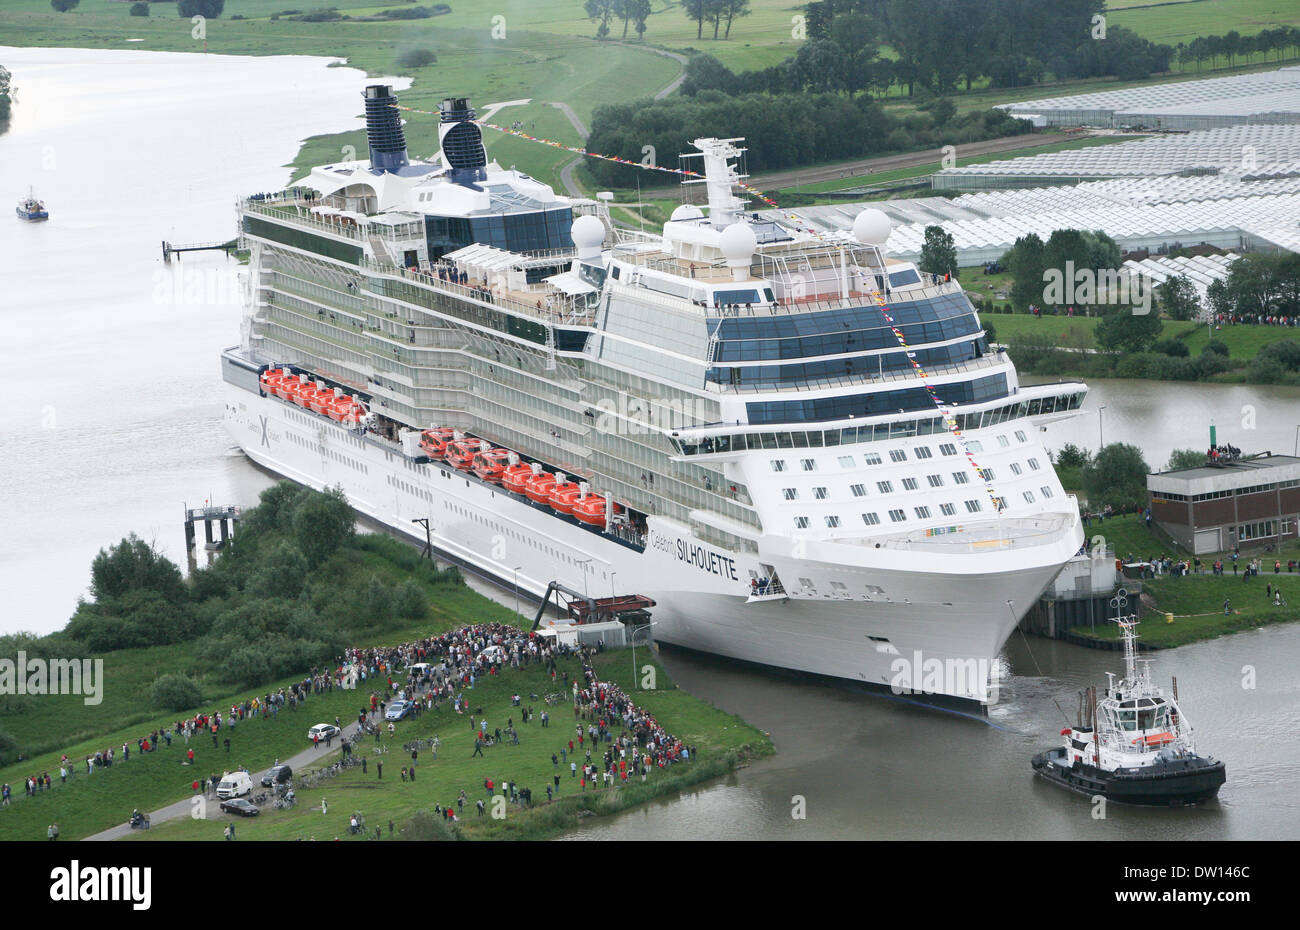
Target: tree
(1124, 331)
(1072, 456)
(704, 72)
(1185, 458)
(639, 11)
(695, 10)
(938, 252)
(9, 751)
(282, 572)
(600, 12)
(134, 565)
(62, 6)
(209, 8)
(322, 522)
(175, 692)
(1026, 261)
(140, 9)
(409, 601)
(732, 10)
(1178, 298)
(1116, 476)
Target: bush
(416, 58)
(1174, 348)
(1215, 347)
(139, 9)
(322, 523)
(9, 752)
(133, 565)
(409, 601)
(175, 692)
(62, 6)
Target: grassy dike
(90, 803)
(723, 741)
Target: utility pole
(427, 551)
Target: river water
(108, 362)
(108, 367)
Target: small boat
(461, 452)
(564, 494)
(538, 487)
(1136, 745)
(271, 379)
(491, 465)
(29, 208)
(433, 442)
(345, 408)
(284, 386)
(592, 511)
(322, 400)
(516, 477)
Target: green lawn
(1171, 23)
(714, 733)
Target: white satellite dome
(588, 235)
(738, 243)
(687, 211)
(872, 227)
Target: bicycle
(553, 698)
(286, 802)
(381, 750)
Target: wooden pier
(226, 517)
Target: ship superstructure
(805, 452)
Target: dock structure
(226, 517)
(169, 249)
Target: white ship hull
(702, 591)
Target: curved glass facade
(878, 403)
(836, 332)
(776, 377)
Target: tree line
(780, 130)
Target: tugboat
(1135, 746)
(29, 208)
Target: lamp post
(583, 563)
(516, 571)
(636, 630)
(611, 584)
(1101, 435)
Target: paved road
(868, 166)
(301, 761)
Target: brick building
(1252, 501)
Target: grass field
(714, 733)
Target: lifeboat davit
(461, 452)
(591, 510)
(538, 487)
(564, 494)
(491, 465)
(516, 476)
(434, 441)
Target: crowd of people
(613, 740)
(1253, 319)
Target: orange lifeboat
(491, 465)
(271, 379)
(538, 487)
(284, 387)
(322, 400)
(346, 409)
(461, 452)
(516, 477)
(434, 441)
(564, 494)
(298, 393)
(591, 510)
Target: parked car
(234, 785)
(241, 806)
(324, 731)
(277, 775)
(397, 710)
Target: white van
(235, 785)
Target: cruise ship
(804, 451)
